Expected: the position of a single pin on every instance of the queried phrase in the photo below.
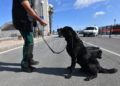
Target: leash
(51, 48)
(55, 52)
(47, 43)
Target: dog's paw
(68, 76)
(90, 78)
(87, 79)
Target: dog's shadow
(15, 67)
(60, 71)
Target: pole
(112, 28)
(42, 15)
(110, 31)
(114, 24)
(114, 21)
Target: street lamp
(114, 21)
(110, 31)
(112, 28)
(42, 1)
(51, 6)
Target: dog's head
(67, 32)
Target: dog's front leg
(71, 68)
(73, 63)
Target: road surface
(52, 67)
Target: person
(22, 15)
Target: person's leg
(29, 43)
(27, 60)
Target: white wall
(9, 33)
(42, 9)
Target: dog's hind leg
(90, 77)
(92, 71)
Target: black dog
(86, 57)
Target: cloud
(85, 3)
(62, 5)
(99, 13)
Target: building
(45, 10)
(8, 30)
(110, 29)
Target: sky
(5, 11)
(75, 13)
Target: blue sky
(5, 11)
(82, 13)
(75, 13)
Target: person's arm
(26, 5)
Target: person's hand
(43, 22)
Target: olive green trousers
(27, 48)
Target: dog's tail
(104, 70)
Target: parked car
(90, 31)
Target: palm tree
(50, 16)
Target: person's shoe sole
(28, 70)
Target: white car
(90, 31)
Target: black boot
(30, 55)
(26, 67)
(33, 62)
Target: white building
(42, 8)
(8, 30)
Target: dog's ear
(68, 28)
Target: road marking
(13, 49)
(103, 49)
(10, 50)
(83, 41)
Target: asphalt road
(52, 67)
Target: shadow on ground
(60, 71)
(15, 67)
(12, 67)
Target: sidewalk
(8, 44)
(13, 43)
(112, 36)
